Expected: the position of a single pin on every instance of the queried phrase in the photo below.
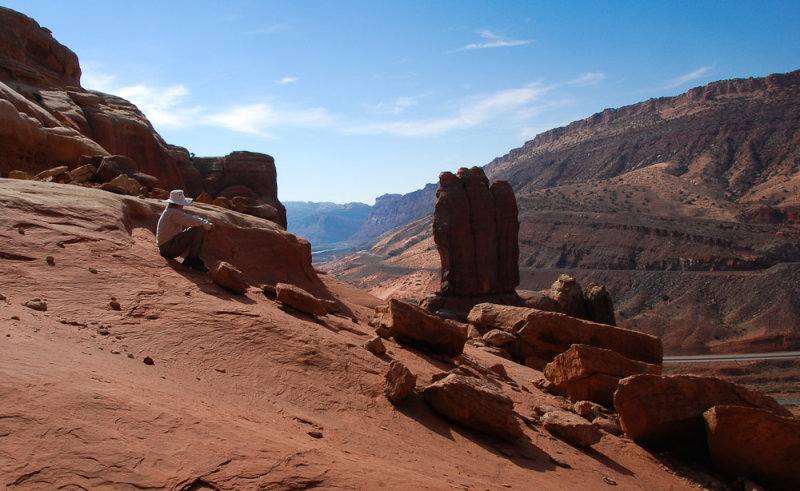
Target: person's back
(179, 232)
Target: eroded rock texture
(475, 228)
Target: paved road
(775, 355)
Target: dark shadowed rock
(229, 277)
(299, 299)
(755, 443)
(412, 325)
(568, 296)
(399, 382)
(599, 306)
(475, 403)
(589, 373)
(571, 427)
(663, 410)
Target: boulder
(412, 325)
(755, 443)
(568, 296)
(399, 382)
(83, 173)
(375, 346)
(299, 299)
(123, 184)
(475, 403)
(589, 373)
(547, 334)
(497, 337)
(599, 306)
(488, 316)
(229, 277)
(571, 428)
(661, 411)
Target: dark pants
(192, 241)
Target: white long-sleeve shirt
(172, 222)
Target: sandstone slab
(755, 443)
(412, 325)
(475, 403)
(571, 427)
(589, 373)
(662, 410)
(299, 299)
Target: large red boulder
(475, 403)
(411, 325)
(755, 443)
(660, 411)
(589, 373)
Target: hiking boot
(195, 263)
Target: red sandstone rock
(661, 410)
(589, 373)
(546, 334)
(410, 324)
(229, 277)
(755, 443)
(571, 428)
(488, 316)
(299, 299)
(399, 382)
(568, 296)
(475, 403)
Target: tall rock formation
(475, 229)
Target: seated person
(180, 232)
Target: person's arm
(187, 220)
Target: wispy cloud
(164, 106)
(397, 106)
(586, 79)
(694, 75)
(472, 112)
(258, 118)
(492, 40)
(286, 81)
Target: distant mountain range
(687, 207)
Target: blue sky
(355, 99)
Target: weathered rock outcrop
(410, 324)
(589, 373)
(474, 403)
(662, 410)
(755, 443)
(571, 427)
(475, 229)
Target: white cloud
(163, 106)
(696, 74)
(473, 112)
(398, 106)
(493, 41)
(588, 78)
(257, 118)
(286, 80)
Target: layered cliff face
(679, 196)
(48, 120)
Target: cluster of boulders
(611, 377)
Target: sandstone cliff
(47, 120)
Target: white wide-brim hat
(176, 197)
